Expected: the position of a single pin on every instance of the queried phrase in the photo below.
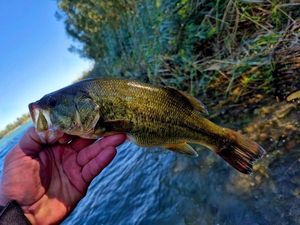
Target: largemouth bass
(150, 115)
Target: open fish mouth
(40, 117)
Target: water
(11, 140)
(152, 186)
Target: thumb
(32, 143)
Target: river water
(158, 187)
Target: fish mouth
(40, 117)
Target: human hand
(49, 180)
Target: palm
(54, 177)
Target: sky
(34, 56)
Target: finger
(65, 139)
(112, 140)
(31, 143)
(79, 143)
(90, 152)
(97, 164)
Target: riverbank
(276, 126)
(14, 125)
(240, 58)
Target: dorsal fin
(194, 102)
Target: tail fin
(239, 151)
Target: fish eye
(51, 101)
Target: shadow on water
(154, 186)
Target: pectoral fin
(100, 131)
(117, 125)
(183, 148)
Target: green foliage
(203, 47)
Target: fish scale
(142, 111)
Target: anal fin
(183, 148)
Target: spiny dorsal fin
(182, 148)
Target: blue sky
(34, 56)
